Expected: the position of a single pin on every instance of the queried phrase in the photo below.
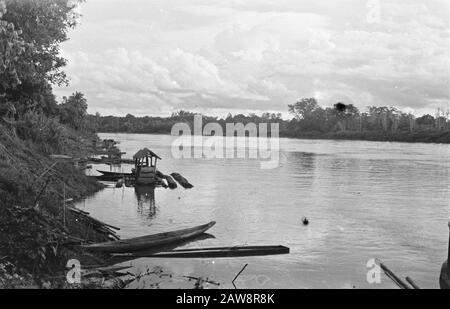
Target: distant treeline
(310, 120)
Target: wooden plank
(218, 252)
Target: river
(364, 200)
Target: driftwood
(86, 214)
(97, 225)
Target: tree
(73, 110)
(34, 30)
(303, 108)
(12, 46)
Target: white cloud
(156, 57)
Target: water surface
(364, 200)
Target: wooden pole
(413, 284)
(448, 253)
(394, 278)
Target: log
(170, 182)
(182, 181)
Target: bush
(47, 133)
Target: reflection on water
(145, 196)
(364, 200)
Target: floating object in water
(170, 182)
(119, 183)
(149, 241)
(219, 252)
(182, 181)
(305, 221)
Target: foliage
(46, 133)
(30, 34)
(310, 121)
(73, 110)
(304, 108)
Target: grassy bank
(36, 234)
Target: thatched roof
(144, 153)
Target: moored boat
(149, 241)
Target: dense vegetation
(310, 120)
(33, 227)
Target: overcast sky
(217, 56)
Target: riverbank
(414, 137)
(37, 234)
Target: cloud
(216, 55)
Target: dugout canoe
(149, 241)
(114, 174)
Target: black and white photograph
(233, 147)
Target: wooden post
(448, 253)
(444, 278)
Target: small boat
(114, 174)
(149, 241)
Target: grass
(33, 236)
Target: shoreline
(344, 136)
(39, 236)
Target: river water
(364, 200)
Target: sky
(216, 57)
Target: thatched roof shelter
(145, 152)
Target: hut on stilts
(145, 167)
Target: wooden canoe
(114, 174)
(149, 241)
